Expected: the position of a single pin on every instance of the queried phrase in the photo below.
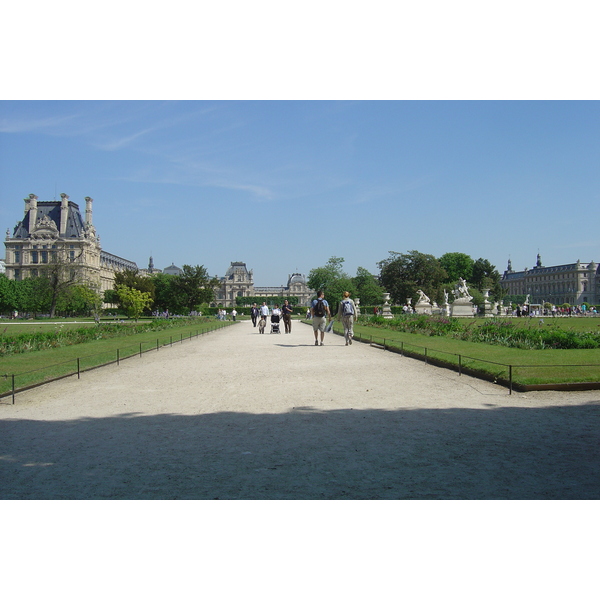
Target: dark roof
(52, 210)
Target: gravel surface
(239, 415)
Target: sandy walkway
(235, 414)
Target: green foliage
(456, 265)
(492, 331)
(403, 274)
(133, 280)
(194, 287)
(61, 336)
(485, 276)
(367, 287)
(80, 300)
(333, 280)
(133, 301)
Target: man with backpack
(347, 315)
(319, 310)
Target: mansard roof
(52, 211)
(236, 267)
(296, 278)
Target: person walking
(264, 311)
(234, 314)
(254, 314)
(347, 315)
(286, 310)
(319, 311)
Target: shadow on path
(497, 453)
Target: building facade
(575, 283)
(56, 232)
(238, 282)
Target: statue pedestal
(423, 308)
(386, 312)
(462, 307)
(486, 307)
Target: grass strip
(44, 365)
(530, 367)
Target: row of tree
(59, 288)
(403, 274)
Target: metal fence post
(459, 364)
(78, 370)
(425, 355)
(13, 388)
(140, 349)
(510, 379)
(118, 363)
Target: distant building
(172, 270)
(56, 231)
(238, 282)
(575, 283)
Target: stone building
(56, 230)
(239, 282)
(575, 283)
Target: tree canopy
(333, 280)
(403, 274)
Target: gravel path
(239, 415)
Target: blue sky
(279, 137)
(284, 185)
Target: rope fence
(33, 378)
(465, 364)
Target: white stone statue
(423, 298)
(461, 290)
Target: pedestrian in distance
(286, 310)
(264, 311)
(319, 311)
(347, 315)
(254, 314)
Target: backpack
(319, 310)
(347, 308)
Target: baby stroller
(275, 324)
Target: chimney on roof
(32, 212)
(88, 210)
(64, 213)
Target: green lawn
(530, 367)
(35, 367)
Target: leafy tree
(81, 300)
(194, 287)
(133, 279)
(367, 288)
(7, 294)
(456, 265)
(333, 280)
(323, 278)
(485, 276)
(61, 273)
(166, 296)
(133, 301)
(38, 293)
(111, 297)
(403, 274)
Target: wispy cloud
(24, 125)
(121, 142)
